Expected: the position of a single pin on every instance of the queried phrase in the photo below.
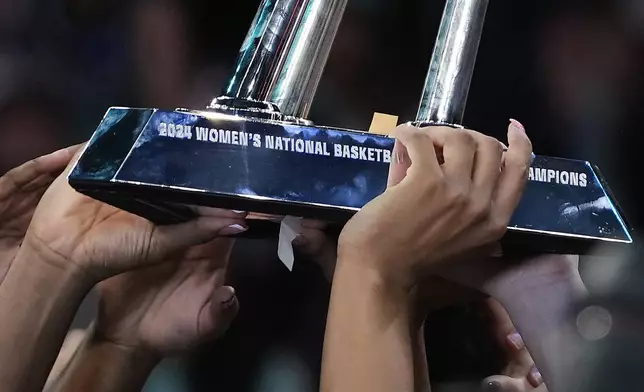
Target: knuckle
(404, 129)
(416, 135)
(432, 184)
(480, 210)
(457, 197)
(464, 137)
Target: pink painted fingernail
(517, 125)
(233, 230)
(517, 341)
(537, 377)
(493, 386)
(228, 296)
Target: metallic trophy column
(253, 149)
(452, 64)
(282, 59)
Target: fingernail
(493, 386)
(536, 375)
(517, 125)
(233, 229)
(228, 296)
(517, 341)
(63, 151)
(239, 212)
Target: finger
(219, 313)
(515, 172)
(420, 150)
(503, 324)
(487, 166)
(459, 150)
(506, 384)
(400, 163)
(166, 240)
(535, 378)
(219, 213)
(76, 152)
(37, 172)
(520, 361)
(217, 249)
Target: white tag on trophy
(290, 228)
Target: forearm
(101, 366)
(38, 302)
(540, 307)
(368, 345)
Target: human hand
(171, 307)
(314, 243)
(72, 231)
(538, 294)
(434, 212)
(520, 374)
(20, 191)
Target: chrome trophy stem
(452, 63)
(283, 56)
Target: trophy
(253, 149)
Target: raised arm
(73, 243)
(430, 215)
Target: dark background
(570, 71)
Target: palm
(86, 229)
(71, 228)
(170, 307)
(20, 192)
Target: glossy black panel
(257, 159)
(109, 146)
(224, 161)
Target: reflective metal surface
(145, 160)
(452, 63)
(284, 54)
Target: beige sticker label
(383, 124)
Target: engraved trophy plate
(253, 149)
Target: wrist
(102, 365)
(125, 355)
(376, 286)
(382, 271)
(40, 257)
(54, 279)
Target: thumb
(506, 384)
(400, 163)
(219, 313)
